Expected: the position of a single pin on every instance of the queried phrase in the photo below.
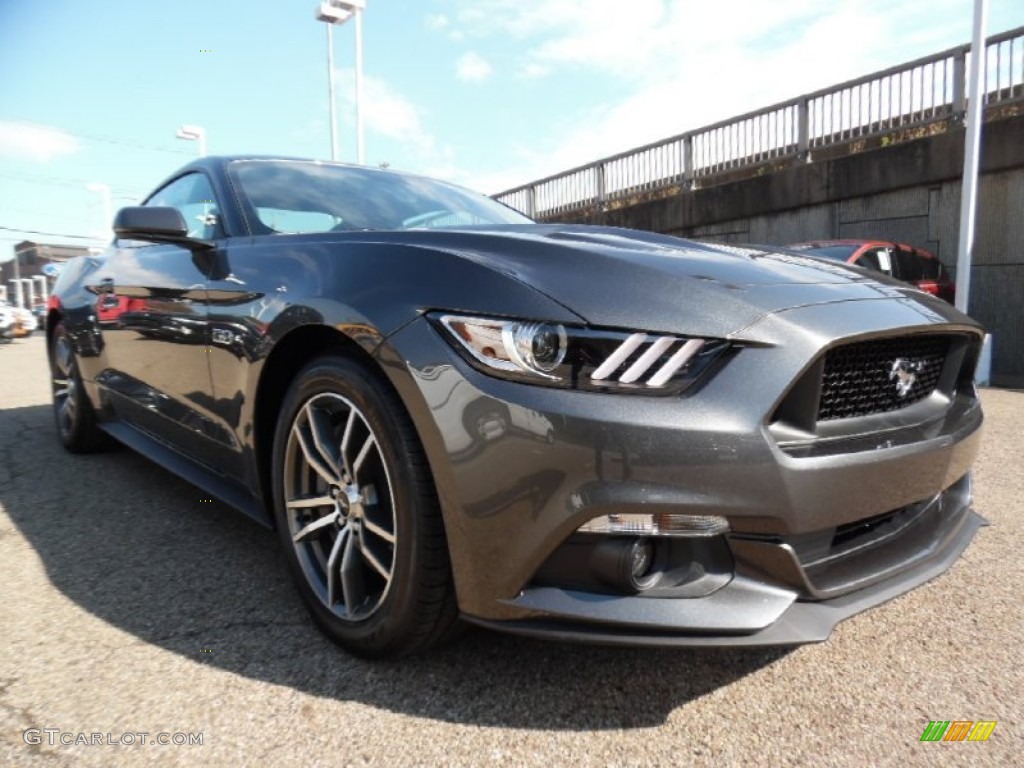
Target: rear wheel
(357, 513)
(72, 411)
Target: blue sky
(487, 93)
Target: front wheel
(357, 512)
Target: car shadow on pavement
(145, 552)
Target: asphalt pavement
(131, 605)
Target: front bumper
(749, 611)
(520, 468)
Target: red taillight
(929, 286)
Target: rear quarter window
(877, 259)
(931, 268)
(909, 265)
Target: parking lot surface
(133, 606)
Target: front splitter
(801, 622)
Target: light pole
(108, 214)
(360, 158)
(194, 133)
(330, 81)
(972, 141)
(337, 12)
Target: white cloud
(387, 112)
(473, 68)
(437, 21)
(534, 70)
(685, 65)
(391, 115)
(35, 142)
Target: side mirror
(157, 225)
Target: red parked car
(904, 262)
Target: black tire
(340, 513)
(73, 413)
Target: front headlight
(580, 358)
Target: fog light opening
(641, 556)
(626, 565)
(639, 566)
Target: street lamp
(194, 133)
(108, 214)
(337, 12)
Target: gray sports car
(448, 411)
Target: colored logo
(958, 730)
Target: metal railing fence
(918, 93)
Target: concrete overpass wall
(909, 192)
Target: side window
(908, 265)
(931, 267)
(876, 259)
(193, 196)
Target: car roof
(219, 162)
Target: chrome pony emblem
(904, 373)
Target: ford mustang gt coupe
(450, 413)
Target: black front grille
(880, 375)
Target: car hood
(631, 279)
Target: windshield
(295, 196)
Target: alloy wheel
(64, 385)
(340, 506)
